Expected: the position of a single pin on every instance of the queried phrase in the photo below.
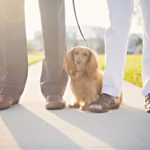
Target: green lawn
(34, 57)
(132, 70)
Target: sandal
(104, 104)
(147, 103)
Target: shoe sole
(103, 111)
(55, 106)
(148, 111)
(10, 105)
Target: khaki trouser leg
(53, 78)
(13, 54)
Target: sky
(89, 12)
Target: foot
(147, 103)
(7, 101)
(54, 102)
(105, 103)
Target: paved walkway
(28, 126)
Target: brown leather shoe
(55, 102)
(7, 101)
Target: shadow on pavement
(32, 133)
(125, 128)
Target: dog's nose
(78, 61)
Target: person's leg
(13, 52)
(53, 78)
(116, 41)
(120, 14)
(145, 7)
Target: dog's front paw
(83, 108)
(75, 105)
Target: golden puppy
(81, 64)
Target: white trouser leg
(120, 13)
(145, 6)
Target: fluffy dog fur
(81, 64)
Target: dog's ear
(69, 64)
(92, 66)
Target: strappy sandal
(147, 103)
(104, 104)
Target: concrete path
(28, 126)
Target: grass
(34, 57)
(132, 69)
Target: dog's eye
(76, 52)
(85, 54)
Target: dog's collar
(79, 71)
